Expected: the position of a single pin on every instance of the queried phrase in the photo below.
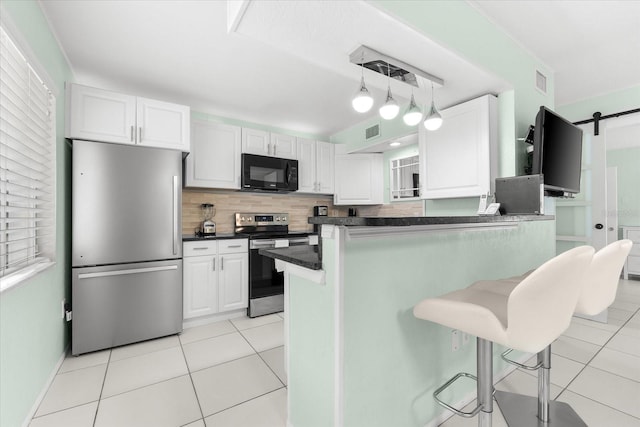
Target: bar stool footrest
(522, 411)
(519, 365)
(446, 385)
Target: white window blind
(27, 164)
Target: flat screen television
(557, 153)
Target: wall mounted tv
(557, 153)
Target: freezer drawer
(125, 303)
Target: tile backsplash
(298, 206)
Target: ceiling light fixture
(395, 143)
(362, 101)
(413, 115)
(390, 108)
(434, 118)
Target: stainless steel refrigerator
(126, 244)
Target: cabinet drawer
(200, 248)
(233, 246)
(633, 263)
(634, 236)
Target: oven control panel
(259, 219)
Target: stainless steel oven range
(266, 285)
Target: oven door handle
(299, 241)
(263, 243)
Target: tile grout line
(195, 392)
(595, 355)
(104, 380)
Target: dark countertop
(218, 236)
(305, 255)
(357, 221)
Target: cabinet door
(200, 286)
(256, 141)
(359, 179)
(283, 146)
(325, 160)
(459, 159)
(100, 115)
(307, 182)
(162, 124)
(234, 281)
(214, 160)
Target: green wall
(33, 336)
(615, 102)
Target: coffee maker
(208, 228)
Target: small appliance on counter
(319, 211)
(208, 228)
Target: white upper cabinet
(315, 166)
(460, 158)
(101, 115)
(263, 143)
(358, 179)
(214, 160)
(255, 141)
(283, 146)
(162, 124)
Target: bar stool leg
(544, 384)
(520, 411)
(484, 360)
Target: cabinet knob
(599, 226)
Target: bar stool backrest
(601, 280)
(541, 306)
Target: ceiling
(593, 46)
(286, 64)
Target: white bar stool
(533, 315)
(598, 291)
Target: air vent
(372, 132)
(541, 82)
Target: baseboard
(470, 397)
(205, 320)
(45, 388)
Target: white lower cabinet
(215, 276)
(632, 265)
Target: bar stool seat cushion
(528, 318)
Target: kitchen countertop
(356, 221)
(305, 255)
(218, 236)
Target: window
(27, 167)
(405, 178)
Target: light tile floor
(231, 374)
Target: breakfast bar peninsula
(355, 354)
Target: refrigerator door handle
(124, 272)
(176, 214)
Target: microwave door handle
(288, 174)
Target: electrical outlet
(64, 303)
(455, 340)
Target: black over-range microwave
(269, 173)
